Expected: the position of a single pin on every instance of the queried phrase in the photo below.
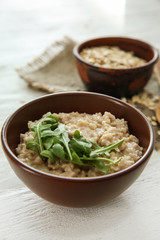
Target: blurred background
(28, 26)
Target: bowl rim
(99, 68)
(34, 171)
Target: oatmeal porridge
(79, 144)
(111, 57)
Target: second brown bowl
(117, 82)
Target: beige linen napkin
(54, 70)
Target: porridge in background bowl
(86, 136)
(111, 57)
(121, 77)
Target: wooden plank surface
(26, 29)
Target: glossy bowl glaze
(76, 192)
(116, 82)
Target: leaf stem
(39, 137)
(67, 148)
(98, 158)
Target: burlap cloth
(55, 71)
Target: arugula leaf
(77, 134)
(56, 140)
(47, 133)
(101, 166)
(48, 142)
(80, 144)
(34, 146)
(51, 120)
(62, 134)
(59, 130)
(34, 128)
(95, 145)
(48, 154)
(76, 159)
(97, 163)
(58, 151)
(44, 127)
(107, 149)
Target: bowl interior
(81, 102)
(140, 48)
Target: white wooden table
(26, 28)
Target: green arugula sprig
(52, 141)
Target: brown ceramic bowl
(116, 82)
(76, 192)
